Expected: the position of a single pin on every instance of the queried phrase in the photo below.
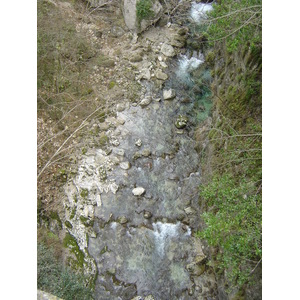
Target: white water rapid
(199, 10)
(163, 232)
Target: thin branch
(82, 125)
(234, 31)
(255, 267)
(233, 12)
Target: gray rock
(136, 155)
(138, 143)
(138, 191)
(130, 15)
(167, 50)
(120, 107)
(144, 74)
(114, 187)
(146, 101)
(125, 165)
(161, 75)
(169, 94)
(146, 152)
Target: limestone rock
(120, 107)
(146, 101)
(146, 152)
(167, 50)
(144, 74)
(130, 15)
(161, 75)
(114, 188)
(138, 143)
(169, 94)
(139, 191)
(125, 165)
(120, 121)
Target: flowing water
(143, 243)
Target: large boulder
(130, 14)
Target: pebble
(138, 191)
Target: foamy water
(163, 232)
(199, 11)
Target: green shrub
(143, 10)
(233, 224)
(52, 277)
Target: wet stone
(146, 101)
(136, 155)
(123, 220)
(146, 152)
(125, 165)
(147, 214)
(120, 107)
(138, 191)
(161, 75)
(167, 50)
(138, 143)
(169, 94)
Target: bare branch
(82, 125)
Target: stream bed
(142, 196)
(144, 244)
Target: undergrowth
(52, 276)
(231, 198)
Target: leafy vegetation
(236, 23)
(232, 195)
(52, 276)
(143, 10)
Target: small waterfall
(188, 63)
(199, 10)
(163, 232)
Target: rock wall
(130, 16)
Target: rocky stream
(133, 205)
